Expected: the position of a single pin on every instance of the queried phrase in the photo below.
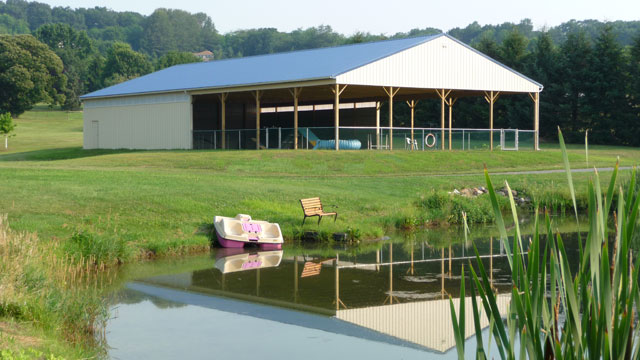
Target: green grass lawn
(164, 201)
(120, 204)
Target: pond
(388, 299)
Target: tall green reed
(553, 312)
(586, 146)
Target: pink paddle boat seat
(253, 229)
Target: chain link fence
(365, 138)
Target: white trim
(169, 98)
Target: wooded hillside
(590, 69)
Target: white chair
(410, 144)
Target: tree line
(590, 69)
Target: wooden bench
(313, 207)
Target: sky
(377, 16)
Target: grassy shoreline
(110, 207)
(163, 202)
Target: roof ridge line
(425, 40)
(426, 37)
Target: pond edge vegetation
(554, 313)
(60, 295)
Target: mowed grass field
(164, 201)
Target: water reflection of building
(426, 323)
(396, 290)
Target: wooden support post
(336, 119)
(412, 105)
(450, 102)
(295, 279)
(491, 122)
(411, 268)
(491, 97)
(450, 122)
(443, 99)
(491, 260)
(257, 95)
(339, 302)
(450, 253)
(296, 96)
(536, 120)
(223, 117)
(390, 273)
(391, 92)
(335, 262)
(391, 117)
(258, 282)
(336, 111)
(377, 124)
(442, 138)
(442, 273)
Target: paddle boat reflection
(229, 260)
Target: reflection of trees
(165, 304)
(130, 297)
(127, 297)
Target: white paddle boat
(241, 230)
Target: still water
(382, 300)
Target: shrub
(478, 209)
(449, 207)
(99, 249)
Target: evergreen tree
(608, 89)
(514, 49)
(575, 59)
(488, 46)
(514, 111)
(634, 90)
(544, 68)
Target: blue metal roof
(324, 63)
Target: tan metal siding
(150, 122)
(426, 323)
(439, 64)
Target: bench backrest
(311, 206)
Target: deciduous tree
(176, 58)
(29, 73)
(123, 64)
(7, 127)
(74, 49)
